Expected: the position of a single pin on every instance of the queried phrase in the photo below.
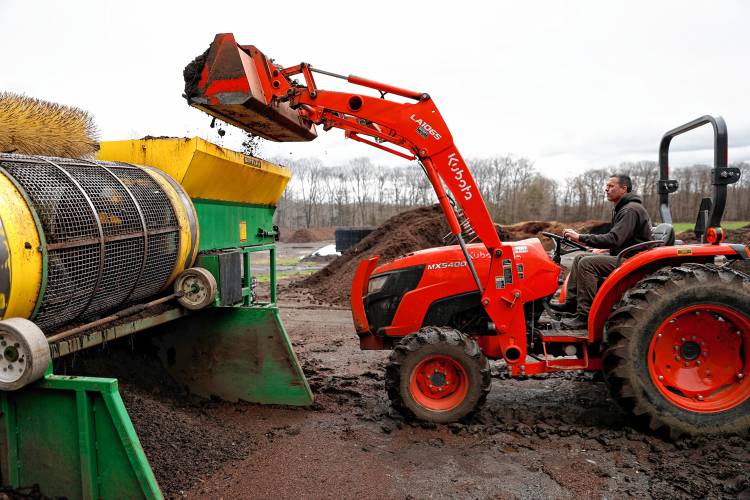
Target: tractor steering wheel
(560, 244)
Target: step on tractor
(669, 327)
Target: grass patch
(680, 227)
(287, 261)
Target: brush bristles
(35, 127)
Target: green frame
(73, 437)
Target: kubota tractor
(669, 328)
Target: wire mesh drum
(80, 238)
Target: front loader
(670, 327)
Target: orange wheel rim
(699, 357)
(439, 383)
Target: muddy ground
(556, 436)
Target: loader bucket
(225, 82)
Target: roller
(79, 238)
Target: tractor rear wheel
(678, 351)
(437, 374)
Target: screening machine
(155, 234)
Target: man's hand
(599, 250)
(571, 234)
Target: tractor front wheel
(678, 355)
(437, 374)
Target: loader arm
(416, 128)
(240, 85)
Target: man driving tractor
(631, 224)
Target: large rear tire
(678, 351)
(437, 374)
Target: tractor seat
(664, 232)
(661, 235)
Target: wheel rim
(699, 356)
(194, 290)
(14, 356)
(439, 383)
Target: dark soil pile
(531, 229)
(415, 229)
(409, 231)
(308, 235)
(182, 440)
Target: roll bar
(721, 174)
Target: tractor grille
(112, 235)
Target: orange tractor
(669, 328)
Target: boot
(577, 322)
(569, 306)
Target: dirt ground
(558, 436)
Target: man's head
(617, 186)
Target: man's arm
(622, 229)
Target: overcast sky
(570, 84)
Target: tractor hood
(391, 299)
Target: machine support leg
(72, 436)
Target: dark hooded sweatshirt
(630, 225)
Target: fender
(642, 264)
(359, 290)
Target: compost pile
(182, 439)
(531, 229)
(406, 232)
(409, 231)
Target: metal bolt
(687, 364)
(692, 338)
(705, 353)
(676, 358)
(661, 377)
(697, 313)
(700, 398)
(659, 336)
(683, 339)
(739, 332)
(740, 376)
(440, 389)
(702, 342)
(698, 362)
(676, 347)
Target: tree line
(360, 193)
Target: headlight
(376, 284)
